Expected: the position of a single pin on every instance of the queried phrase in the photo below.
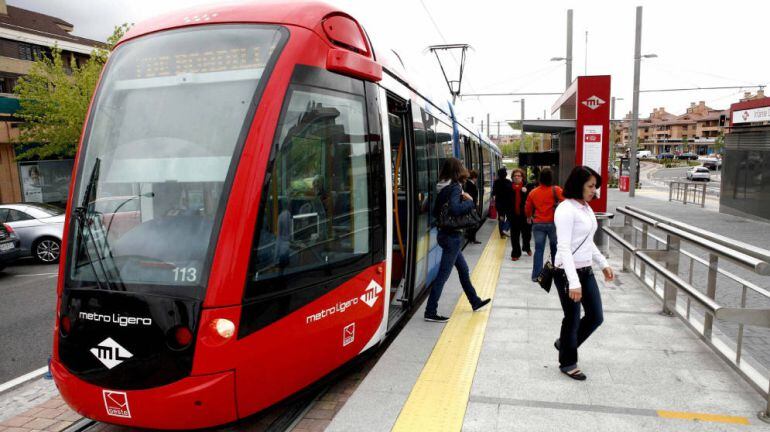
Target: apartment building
(25, 35)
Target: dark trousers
(575, 330)
(451, 256)
(520, 228)
(503, 222)
(542, 232)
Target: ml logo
(593, 102)
(371, 294)
(110, 353)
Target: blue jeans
(574, 330)
(540, 231)
(451, 255)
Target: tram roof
(308, 14)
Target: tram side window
(317, 209)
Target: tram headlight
(223, 327)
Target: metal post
(670, 190)
(523, 135)
(711, 291)
(635, 109)
(739, 348)
(686, 188)
(672, 264)
(703, 197)
(569, 49)
(627, 226)
(645, 232)
(488, 125)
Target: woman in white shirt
(575, 227)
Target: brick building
(23, 35)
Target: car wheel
(46, 251)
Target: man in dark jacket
(503, 193)
(472, 190)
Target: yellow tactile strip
(440, 396)
(703, 417)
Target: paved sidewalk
(646, 371)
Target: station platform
(497, 370)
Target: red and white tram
(270, 180)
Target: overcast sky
(698, 43)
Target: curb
(17, 382)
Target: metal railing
(635, 236)
(685, 192)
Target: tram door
(403, 203)
(423, 187)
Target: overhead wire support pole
(635, 106)
(568, 59)
(450, 83)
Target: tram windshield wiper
(86, 221)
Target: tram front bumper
(191, 403)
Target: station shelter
(579, 131)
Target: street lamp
(568, 61)
(521, 139)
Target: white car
(699, 173)
(644, 154)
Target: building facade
(25, 35)
(746, 166)
(696, 131)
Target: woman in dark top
(501, 190)
(450, 190)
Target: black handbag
(550, 271)
(447, 221)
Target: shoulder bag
(447, 221)
(549, 271)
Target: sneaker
(436, 318)
(481, 305)
(514, 259)
(529, 253)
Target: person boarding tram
(450, 190)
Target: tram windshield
(166, 124)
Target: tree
(54, 98)
(719, 143)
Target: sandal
(576, 375)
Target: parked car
(711, 163)
(687, 156)
(644, 154)
(10, 248)
(39, 228)
(698, 173)
(665, 156)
